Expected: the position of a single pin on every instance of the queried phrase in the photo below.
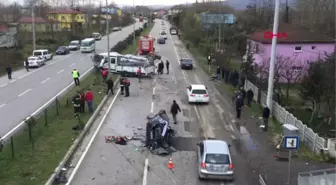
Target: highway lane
(30, 90)
(103, 163)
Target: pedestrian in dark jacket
(127, 84)
(239, 105)
(9, 72)
(218, 70)
(243, 92)
(27, 65)
(161, 66)
(249, 95)
(167, 66)
(223, 72)
(89, 99)
(266, 115)
(175, 108)
(227, 76)
(110, 85)
(76, 101)
(82, 102)
(122, 85)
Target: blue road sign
(209, 18)
(291, 142)
(109, 10)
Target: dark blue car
(62, 50)
(161, 40)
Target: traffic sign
(291, 142)
(109, 10)
(208, 18)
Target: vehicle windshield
(199, 91)
(186, 61)
(61, 47)
(32, 58)
(217, 159)
(86, 44)
(73, 43)
(37, 53)
(163, 33)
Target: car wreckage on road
(159, 135)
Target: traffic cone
(170, 164)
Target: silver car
(214, 160)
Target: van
(97, 36)
(46, 54)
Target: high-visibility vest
(75, 74)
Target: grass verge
(35, 161)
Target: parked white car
(46, 54)
(74, 45)
(35, 61)
(197, 93)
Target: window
(313, 47)
(113, 60)
(297, 49)
(82, 17)
(199, 91)
(217, 159)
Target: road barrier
(261, 180)
(42, 116)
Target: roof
(111, 54)
(216, 146)
(198, 86)
(295, 35)
(66, 11)
(38, 20)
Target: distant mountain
(242, 4)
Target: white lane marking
(12, 81)
(92, 139)
(152, 107)
(231, 127)
(73, 64)
(61, 71)
(197, 79)
(153, 90)
(44, 81)
(34, 71)
(178, 58)
(3, 85)
(145, 172)
(197, 113)
(24, 92)
(2, 105)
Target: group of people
(80, 99)
(239, 100)
(161, 66)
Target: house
(41, 25)
(67, 17)
(294, 51)
(8, 35)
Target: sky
(128, 2)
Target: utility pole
(108, 36)
(219, 26)
(134, 40)
(33, 28)
(273, 54)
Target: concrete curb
(79, 139)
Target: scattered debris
(121, 140)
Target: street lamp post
(33, 28)
(273, 55)
(134, 40)
(108, 37)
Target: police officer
(122, 85)
(167, 66)
(76, 101)
(27, 65)
(239, 104)
(9, 72)
(82, 102)
(127, 84)
(75, 76)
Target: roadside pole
(33, 29)
(134, 40)
(108, 37)
(291, 143)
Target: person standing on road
(76, 103)
(266, 115)
(89, 99)
(75, 76)
(209, 59)
(138, 73)
(249, 95)
(82, 102)
(167, 66)
(27, 65)
(175, 108)
(243, 92)
(218, 70)
(239, 104)
(127, 84)
(110, 85)
(122, 85)
(9, 72)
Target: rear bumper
(183, 66)
(229, 177)
(195, 100)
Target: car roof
(33, 57)
(216, 147)
(198, 86)
(75, 41)
(40, 50)
(111, 54)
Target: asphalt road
(111, 164)
(28, 91)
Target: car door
(200, 154)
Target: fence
(314, 142)
(37, 122)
